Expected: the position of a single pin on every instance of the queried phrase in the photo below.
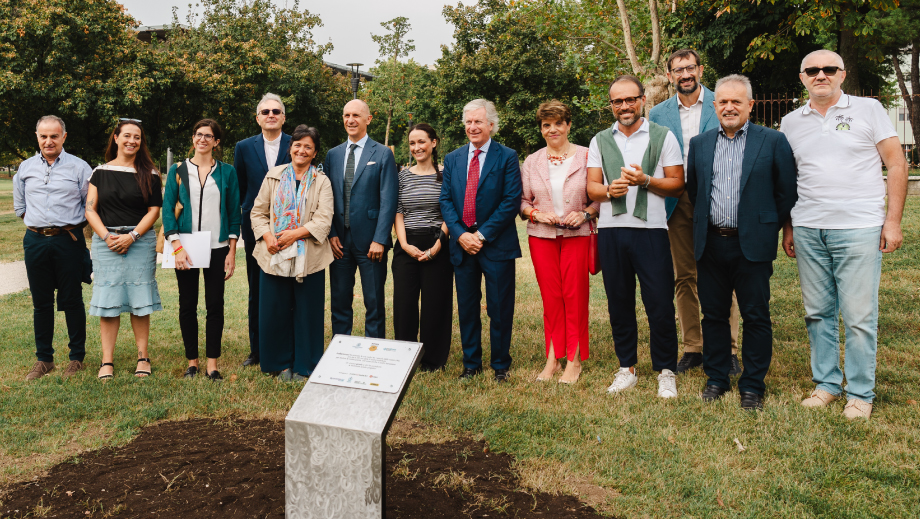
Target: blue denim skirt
(125, 282)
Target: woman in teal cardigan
(203, 194)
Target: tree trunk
(848, 48)
(627, 39)
(386, 136)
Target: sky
(347, 24)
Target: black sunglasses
(273, 111)
(828, 71)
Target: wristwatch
(587, 215)
(480, 236)
(135, 235)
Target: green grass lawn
(658, 458)
(6, 195)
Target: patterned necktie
(472, 183)
(349, 178)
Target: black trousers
(56, 263)
(253, 272)
(187, 280)
(627, 253)
(432, 283)
(721, 270)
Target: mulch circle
(235, 469)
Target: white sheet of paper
(365, 363)
(198, 247)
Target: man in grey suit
(689, 113)
(366, 186)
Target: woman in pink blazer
(555, 203)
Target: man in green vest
(632, 167)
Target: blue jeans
(839, 270)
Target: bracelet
(177, 250)
(134, 235)
(428, 253)
(648, 180)
(106, 237)
(532, 213)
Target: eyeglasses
(680, 71)
(47, 173)
(204, 136)
(629, 101)
(273, 111)
(828, 71)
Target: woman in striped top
(421, 266)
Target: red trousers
(561, 266)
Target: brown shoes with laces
(72, 369)
(39, 370)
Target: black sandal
(106, 377)
(140, 372)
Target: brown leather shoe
(39, 370)
(72, 369)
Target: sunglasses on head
(273, 111)
(828, 71)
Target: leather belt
(724, 231)
(54, 231)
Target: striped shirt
(726, 178)
(419, 200)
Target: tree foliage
(81, 60)
(395, 45)
(499, 56)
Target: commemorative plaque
(335, 433)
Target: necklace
(557, 160)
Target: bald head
(822, 55)
(356, 116)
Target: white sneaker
(667, 384)
(623, 380)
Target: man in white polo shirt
(840, 226)
(632, 167)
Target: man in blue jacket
(687, 114)
(480, 198)
(741, 180)
(365, 185)
(252, 158)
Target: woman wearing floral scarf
(291, 219)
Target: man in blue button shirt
(49, 194)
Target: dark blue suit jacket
(498, 201)
(249, 161)
(768, 190)
(374, 192)
(667, 114)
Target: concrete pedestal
(334, 451)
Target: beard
(628, 119)
(690, 89)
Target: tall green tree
(901, 33)
(76, 59)
(394, 81)
(501, 55)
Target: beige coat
(316, 216)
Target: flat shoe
(141, 373)
(106, 377)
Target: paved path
(13, 277)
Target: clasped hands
(421, 255)
(629, 176)
(284, 239)
(572, 220)
(119, 243)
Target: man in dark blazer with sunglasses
(741, 180)
(252, 158)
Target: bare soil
(235, 469)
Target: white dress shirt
(272, 148)
(690, 123)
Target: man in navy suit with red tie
(252, 158)
(480, 198)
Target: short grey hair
(819, 52)
(736, 78)
(270, 97)
(51, 118)
(491, 112)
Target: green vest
(612, 159)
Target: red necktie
(472, 183)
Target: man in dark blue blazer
(741, 179)
(252, 158)
(480, 199)
(687, 114)
(365, 184)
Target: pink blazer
(538, 193)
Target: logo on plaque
(373, 347)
